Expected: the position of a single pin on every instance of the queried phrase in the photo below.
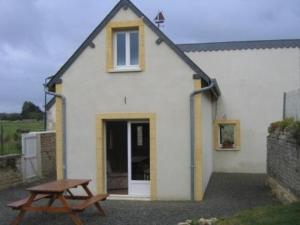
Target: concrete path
(226, 195)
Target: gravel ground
(226, 195)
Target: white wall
(51, 119)
(207, 137)
(252, 83)
(163, 88)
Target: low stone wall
(10, 171)
(11, 168)
(48, 156)
(283, 165)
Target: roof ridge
(262, 40)
(240, 45)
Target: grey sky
(38, 36)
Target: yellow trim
(198, 175)
(124, 25)
(237, 134)
(100, 119)
(58, 128)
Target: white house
(143, 117)
(50, 114)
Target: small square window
(227, 135)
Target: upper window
(125, 46)
(227, 135)
(126, 49)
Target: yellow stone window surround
(124, 26)
(237, 134)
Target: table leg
(22, 212)
(18, 218)
(72, 214)
(70, 193)
(51, 200)
(97, 205)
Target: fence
(37, 160)
(11, 132)
(292, 104)
(38, 155)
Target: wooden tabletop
(57, 186)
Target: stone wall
(10, 171)
(11, 168)
(283, 164)
(48, 158)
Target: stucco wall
(207, 138)
(252, 84)
(163, 88)
(51, 118)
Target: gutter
(211, 87)
(64, 130)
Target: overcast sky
(38, 36)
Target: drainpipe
(45, 102)
(63, 117)
(192, 127)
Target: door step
(128, 197)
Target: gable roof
(240, 45)
(113, 12)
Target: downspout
(45, 102)
(63, 117)
(192, 127)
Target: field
(10, 134)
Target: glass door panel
(139, 158)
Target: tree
(31, 111)
(10, 116)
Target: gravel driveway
(226, 195)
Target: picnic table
(58, 190)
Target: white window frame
(127, 65)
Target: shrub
(289, 126)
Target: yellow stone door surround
(100, 156)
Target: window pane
(140, 136)
(134, 48)
(140, 154)
(121, 49)
(227, 135)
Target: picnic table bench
(58, 190)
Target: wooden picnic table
(58, 190)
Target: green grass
(270, 215)
(12, 134)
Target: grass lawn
(270, 215)
(12, 134)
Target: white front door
(138, 159)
